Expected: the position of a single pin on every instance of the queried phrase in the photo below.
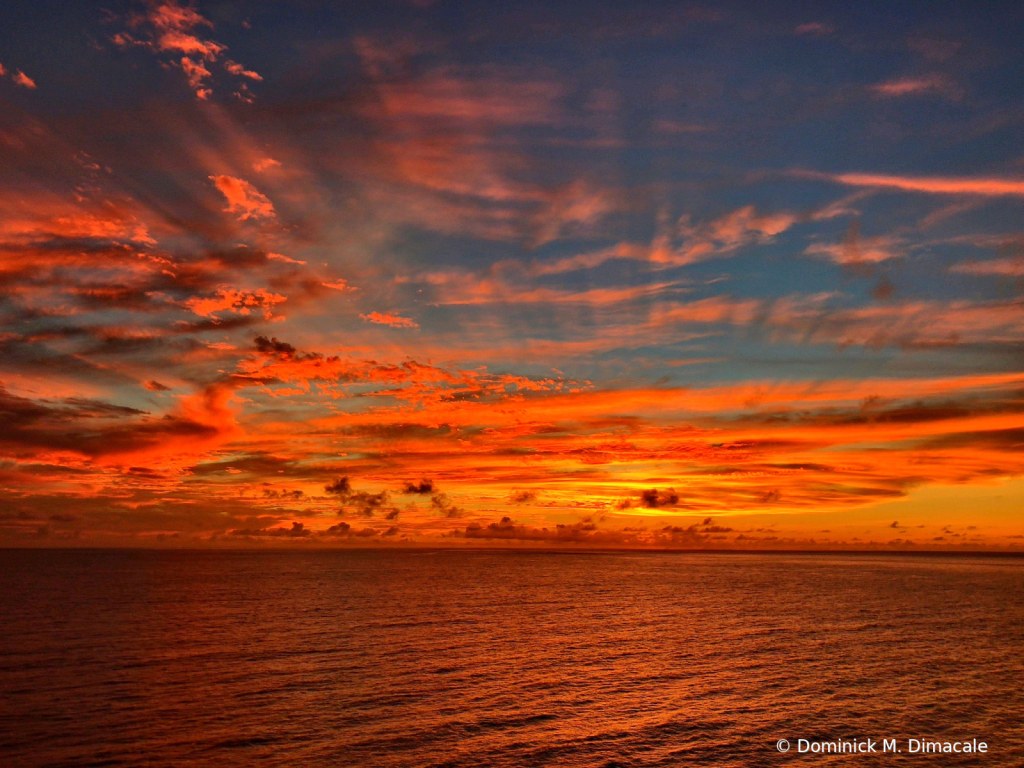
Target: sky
(710, 275)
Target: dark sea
(490, 658)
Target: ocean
(497, 658)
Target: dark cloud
(876, 411)
(346, 531)
(282, 350)
(133, 508)
(274, 347)
(653, 498)
(578, 533)
(146, 472)
(397, 431)
(994, 439)
(587, 532)
(297, 531)
(89, 427)
(367, 503)
(674, 535)
(256, 464)
(339, 529)
(293, 495)
(423, 487)
(221, 325)
(364, 502)
(441, 503)
(339, 486)
(23, 354)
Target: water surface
(441, 658)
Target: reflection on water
(501, 659)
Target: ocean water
(440, 658)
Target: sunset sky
(714, 275)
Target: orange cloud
(243, 198)
(171, 15)
(174, 40)
(732, 451)
(388, 319)
(169, 27)
(173, 23)
(236, 301)
(237, 69)
(990, 187)
(196, 74)
(409, 381)
(634, 251)
(23, 80)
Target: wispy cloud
(915, 86)
(386, 318)
(1009, 267)
(989, 187)
(857, 250)
(814, 28)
